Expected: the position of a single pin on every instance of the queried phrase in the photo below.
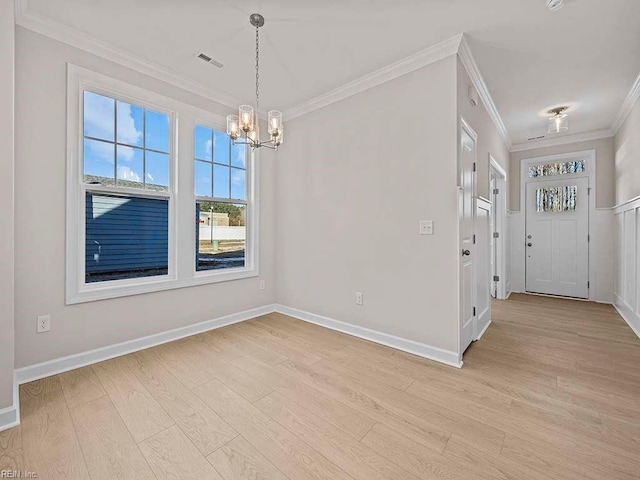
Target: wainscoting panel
(627, 262)
(507, 254)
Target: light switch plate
(426, 227)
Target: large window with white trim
(142, 170)
(125, 164)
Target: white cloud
(237, 177)
(98, 116)
(125, 154)
(99, 119)
(125, 173)
(127, 132)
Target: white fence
(207, 232)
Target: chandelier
(559, 120)
(244, 128)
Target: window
(220, 179)
(125, 146)
(142, 170)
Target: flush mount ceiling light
(554, 5)
(559, 120)
(243, 128)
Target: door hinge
(496, 278)
(496, 234)
(474, 311)
(588, 191)
(474, 166)
(496, 191)
(588, 284)
(588, 238)
(474, 238)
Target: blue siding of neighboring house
(126, 233)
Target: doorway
(557, 204)
(466, 208)
(557, 237)
(499, 232)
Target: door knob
(466, 253)
(529, 244)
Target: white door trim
(483, 313)
(500, 223)
(590, 157)
(466, 127)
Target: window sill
(106, 292)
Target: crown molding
(627, 106)
(62, 33)
(402, 67)
(469, 62)
(555, 141)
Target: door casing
(467, 324)
(519, 251)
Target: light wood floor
(551, 392)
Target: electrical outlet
(426, 227)
(263, 284)
(44, 323)
(359, 298)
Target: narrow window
(221, 209)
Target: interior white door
(482, 265)
(467, 156)
(493, 185)
(557, 243)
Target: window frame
(183, 118)
(251, 252)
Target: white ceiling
(584, 55)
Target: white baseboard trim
(627, 314)
(422, 350)
(486, 327)
(64, 364)
(10, 416)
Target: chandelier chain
(257, 68)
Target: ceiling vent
(206, 58)
(554, 5)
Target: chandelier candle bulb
(275, 122)
(233, 126)
(246, 117)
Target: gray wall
(489, 139)
(40, 206)
(6, 200)
(354, 180)
(605, 175)
(627, 158)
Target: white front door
(556, 243)
(467, 157)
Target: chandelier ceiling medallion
(244, 128)
(559, 120)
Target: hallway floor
(551, 392)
